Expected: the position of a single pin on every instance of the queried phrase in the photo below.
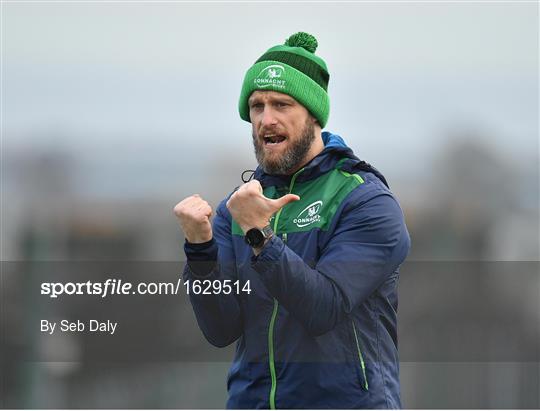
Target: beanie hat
(292, 69)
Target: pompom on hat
(293, 69)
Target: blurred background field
(112, 112)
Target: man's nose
(268, 117)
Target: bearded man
(317, 236)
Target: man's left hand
(251, 209)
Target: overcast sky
(403, 75)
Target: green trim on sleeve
(360, 356)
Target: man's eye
(256, 106)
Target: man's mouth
(273, 139)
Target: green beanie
(293, 69)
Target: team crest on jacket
(309, 215)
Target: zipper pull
(284, 237)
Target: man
(318, 238)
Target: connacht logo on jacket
(270, 76)
(309, 215)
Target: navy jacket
(318, 329)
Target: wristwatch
(256, 237)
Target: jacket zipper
(360, 356)
(271, 356)
(272, 324)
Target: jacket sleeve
(219, 315)
(369, 242)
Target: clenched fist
(194, 215)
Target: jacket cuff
(270, 253)
(201, 257)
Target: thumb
(286, 199)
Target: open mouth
(273, 139)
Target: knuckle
(179, 209)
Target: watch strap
(267, 231)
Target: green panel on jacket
(319, 200)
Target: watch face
(254, 237)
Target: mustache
(268, 131)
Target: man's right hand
(194, 215)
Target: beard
(293, 156)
